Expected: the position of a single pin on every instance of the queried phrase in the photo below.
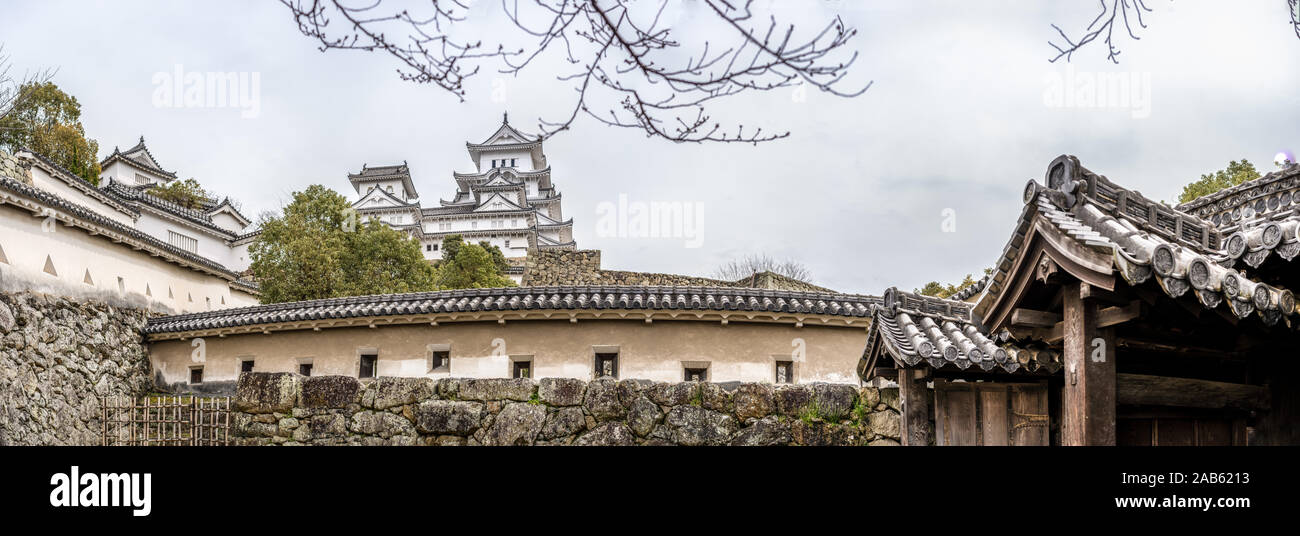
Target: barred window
(182, 242)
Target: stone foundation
(582, 267)
(58, 357)
(289, 409)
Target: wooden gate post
(1088, 397)
(915, 398)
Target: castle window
(439, 358)
(785, 372)
(182, 242)
(435, 247)
(512, 162)
(695, 371)
(507, 242)
(521, 366)
(368, 362)
(196, 375)
(428, 247)
(304, 369)
(246, 365)
(606, 365)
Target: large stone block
(752, 401)
(763, 432)
(889, 397)
(820, 434)
(610, 434)
(834, 401)
(448, 417)
(693, 426)
(674, 394)
(517, 424)
(791, 400)
(886, 423)
(520, 389)
(329, 391)
(562, 422)
(387, 392)
(267, 392)
(327, 425)
(380, 423)
(602, 400)
(643, 416)
(562, 391)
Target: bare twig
(1104, 24)
(1295, 15)
(12, 94)
(627, 66)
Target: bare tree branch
(627, 64)
(11, 89)
(756, 263)
(1104, 24)
(1295, 15)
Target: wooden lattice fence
(165, 420)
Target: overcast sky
(965, 108)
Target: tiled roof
(527, 298)
(131, 194)
(140, 156)
(1149, 240)
(72, 179)
(921, 330)
(58, 204)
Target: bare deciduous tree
(1104, 24)
(11, 93)
(751, 264)
(628, 68)
(1295, 15)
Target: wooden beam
(1111, 316)
(1144, 390)
(1032, 318)
(1088, 394)
(1111, 297)
(915, 397)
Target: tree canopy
(1236, 173)
(187, 193)
(939, 290)
(471, 265)
(316, 250)
(47, 120)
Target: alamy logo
(102, 489)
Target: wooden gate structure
(165, 420)
(1146, 324)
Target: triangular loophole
(87, 280)
(147, 290)
(49, 266)
(169, 294)
(3, 258)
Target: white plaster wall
(735, 352)
(44, 181)
(73, 252)
(209, 246)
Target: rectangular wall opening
(368, 362)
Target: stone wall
(288, 409)
(12, 167)
(58, 356)
(582, 267)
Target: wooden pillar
(1088, 398)
(915, 397)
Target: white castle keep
(508, 200)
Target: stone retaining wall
(582, 267)
(58, 356)
(280, 408)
